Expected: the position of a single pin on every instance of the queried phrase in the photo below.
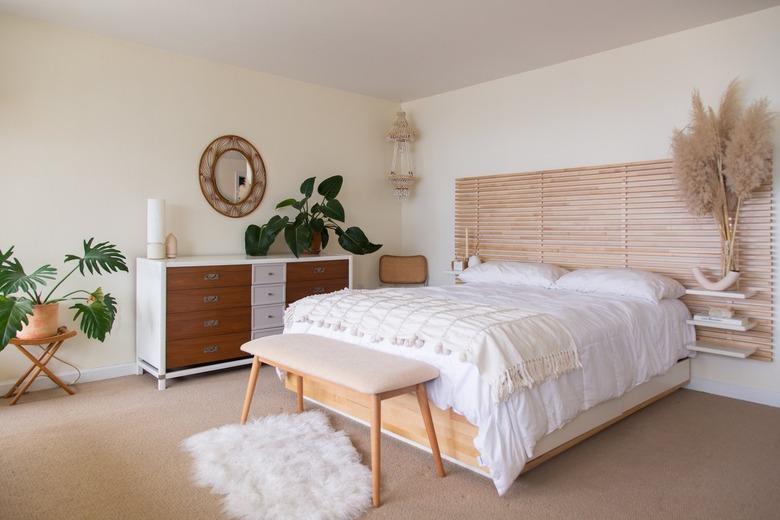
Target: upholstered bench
(363, 370)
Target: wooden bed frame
(619, 215)
(401, 418)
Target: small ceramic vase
(171, 246)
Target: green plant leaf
(5, 257)
(307, 188)
(97, 315)
(325, 237)
(258, 239)
(333, 209)
(355, 241)
(285, 203)
(13, 278)
(13, 314)
(317, 225)
(298, 204)
(330, 187)
(298, 237)
(102, 255)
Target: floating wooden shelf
(731, 295)
(722, 350)
(725, 326)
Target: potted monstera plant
(309, 231)
(28, 311)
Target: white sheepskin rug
(282, 466)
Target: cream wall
(91, 127)
(616, 106)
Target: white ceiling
(394, 49)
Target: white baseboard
(90, 374)
(743, 393)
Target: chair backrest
(403, 269)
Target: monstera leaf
(355, 241)
(13, 314)
(258, 239)
(14, 279)
(97, 315)
(102, 255)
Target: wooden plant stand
(39, 363)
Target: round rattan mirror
(232, 176)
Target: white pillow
(622, 282)
(514, 273)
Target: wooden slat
(618, 215)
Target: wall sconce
(402, 170)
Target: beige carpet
(111, 451)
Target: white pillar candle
(155, 228)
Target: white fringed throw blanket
(512, 349)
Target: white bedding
(622, 342)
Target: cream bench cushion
(361, 369)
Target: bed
(629, 349)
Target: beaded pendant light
(402, 169)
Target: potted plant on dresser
(309, 231)
(28, 311)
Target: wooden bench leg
(299, 393)
(425, 410)
(250, 388)
(376, 446)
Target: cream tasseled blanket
(512, 349)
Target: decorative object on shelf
(232, 176)
(458, 265)
(401, 176)
(171, 246)
(720, 159)
(155, 229)
(26, 314)
(724, 283)
(308, 231)
(720, 311)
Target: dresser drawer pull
(319, 270)
(211, 276)
(318, 290)
(210, 299)
(210, 323)
(270, 316)
(270, 294)
(210, 349)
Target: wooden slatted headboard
(619, 215)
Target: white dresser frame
(151, 311)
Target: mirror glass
(233, 176)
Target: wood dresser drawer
(318, 270)
(209, 323)
(189, 300)
(297, 290)
(267, 273)
(207, 277)
(205, 349)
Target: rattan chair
(403, 270)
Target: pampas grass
(721, 158)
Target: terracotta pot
(717, 285)
(43, 323)
(316, 244)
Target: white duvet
(621, 341)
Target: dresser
(194, 313)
